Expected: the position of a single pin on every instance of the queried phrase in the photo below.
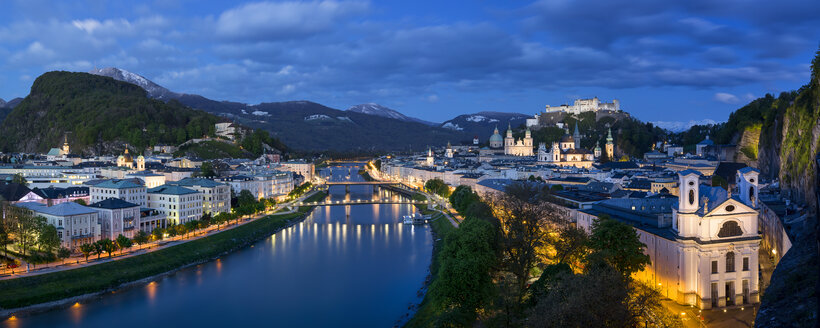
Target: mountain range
(306, 125)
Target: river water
(343, 266)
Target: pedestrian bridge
(362, 202)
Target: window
(691, 197)
(730, 262)
(745, 264)
(730, 208)
(730, 229)
(714, 267)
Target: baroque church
(512, 147)
(568, 152)
(703, 245)
(125, 160)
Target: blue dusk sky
(664, 60)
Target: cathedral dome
(567, 138)
(127, 157)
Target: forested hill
(99, 114)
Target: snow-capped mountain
(154, 90)
(481, 124)
(379, 110)
(680, 126)
(2, 102)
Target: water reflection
(366, 277)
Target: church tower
(610, 147)
(577, 137)
(686, 218)
(509, 142)
(140, 163)
(65, 149)
(528, 138)
(430, 158)
(448, 152)
(747, 180)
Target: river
(343, 266)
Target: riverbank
(42, 292)
(429, 309)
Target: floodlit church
(512, 147)
(568, 152)
(125, 160)
(703, 245)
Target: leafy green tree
(191, 226)
(63, 253)
(98, 248)
(462, 197)
(181, 230)
(87, 249)
(571, 246)
(122, 243)
(81, 202)
(156, 234)
(437, 186)
(594, 299)
(524, 220)
(48, 238)
(468, 258)
(5, 239)
(617, 244)
(207, 170)
(246, 198)
(107, 245)
(140, 237)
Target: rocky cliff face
(792, 296)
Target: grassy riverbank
(429, 309)
(21, 292)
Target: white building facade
(180, 205)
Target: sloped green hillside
(96, 110)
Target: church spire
(609, 136)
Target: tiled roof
(171, 190)
(13, 191)
(62, 209)
(199, 182)
(118, 184)
(113, 203)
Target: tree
(25, 226)
(87, 249)
(191, 226)
(140, 238)
(246, 198)
(98, 248)
(617, 244)
(207, 170)
(524, 220)
(48, 238)
(63, 253)
(107, 245)
(467, 260)
(20, 179)
(597, 298)
(5, 239)
(571, 246)
(81, 202)
(462, 197)
(122, 243)
(181, 230)
(438, 187)
(156, 234)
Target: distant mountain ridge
(154, 90)
(481, 124)
(306, 125)
(379, 110)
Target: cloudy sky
(664, 60)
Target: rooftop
(62, 209)
(171, 190)
(113, 203)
